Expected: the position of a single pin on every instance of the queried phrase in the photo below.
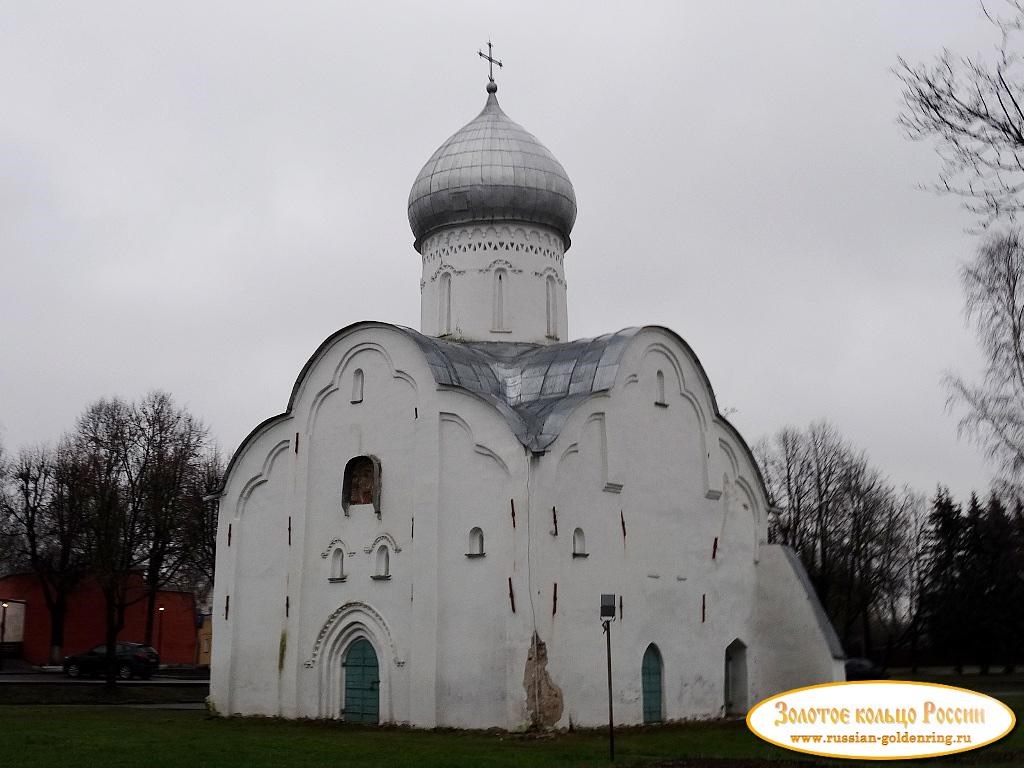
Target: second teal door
(650, 678)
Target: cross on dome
(491, 61)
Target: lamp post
(160, 631)
(607, 617)
(3, 630)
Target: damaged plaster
(543, 697)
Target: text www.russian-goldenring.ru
(885, 739)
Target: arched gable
(346, 367)
(696, 389)
(694, 396)
(260, 477)
(335, 382)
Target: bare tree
(109, 442)
(124, 494)
(994, 408)
(974, 110)
(849, 526)
(899, 558)
(12, 544)
(44, 513)
(874, 549)
(784, 464)
(827, 455)
(915, 575)
(201, 523)
(150, 472)
(7, 563)
(167, 460)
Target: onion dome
(491, 170)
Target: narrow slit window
(357, 386)
(498, 321)
(476, 543)
(579, 543)
(444, 324)
(552, 308)
(660, 379)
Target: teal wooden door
(362, 683)
(650, 678)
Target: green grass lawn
(96, 693)
(114, 737)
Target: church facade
(423, 536)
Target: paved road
(58, 678)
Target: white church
(424, 535)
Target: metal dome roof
(491, 170)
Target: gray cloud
(193, 196)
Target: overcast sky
(193, 195)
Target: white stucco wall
(800, 647)
(452, 650)
(625, 457)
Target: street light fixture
(160, 632)
(3, 630)
(607, 617)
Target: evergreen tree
(972, 574)
(1000, 599)
(941, 602)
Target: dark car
(133, 660)
(864, 669)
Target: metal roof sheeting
(535, 387)
(492, 169)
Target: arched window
(476, 543)
(338, 565)
(357, 386)
(579, 543)
(651, 684)
(362, 483)
(444, 321)
(498, 320)
(660, 389)
(552, 307)
(383, 563)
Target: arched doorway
(650, 678)
(362, 683)
(736, 678)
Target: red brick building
(174, 632)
